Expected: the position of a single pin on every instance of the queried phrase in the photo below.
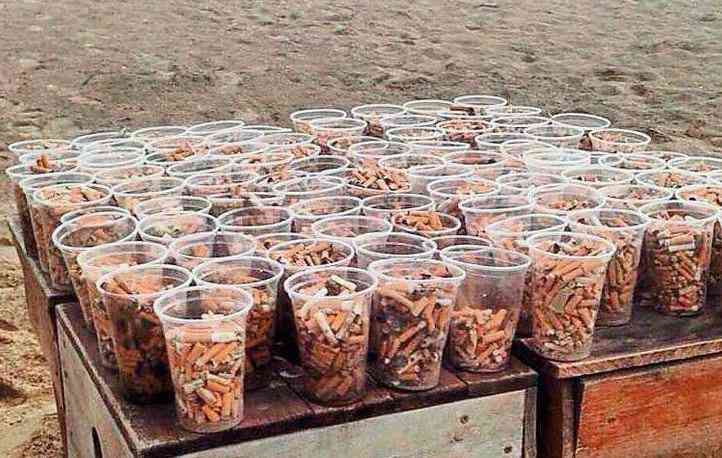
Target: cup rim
(458, 274)
(523, 261)
(608, 252)
(105, 277)
(370, 288)
(160, 308)
(277, 270)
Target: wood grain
(556, 423)
(666, 411)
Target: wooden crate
(467, 415)
(41, 302)
(649, 389)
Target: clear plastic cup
(287, 139)
(407, 120)
(477, 160)
(109, 144)
(625, 229)
(494, 140)
(410, 320)
(349, 228)
(702, 165)
(326, 129)
(393, 245)
(421, 177)
(267, 162)
(559, 135)
(41, 158)
(385, 206)
(412, 134)
(100, 260)
(128, 295)
(562, 198)
(171, 205)
(512, 234)
(568, 274)
(518, 124)
(478, 104)
(464, 130)
(301, 119)
(427, 107)
(255, 221)
(268, 129)
(479, 212)
(260, 278)
(619, 140)
(80, 234)
(48, 205)
(164, 228)
(339, 146)
(82, 142)
(321, 166)
(373, 114)
(237, 151)
(633, 196)
(555, 161)
(44, 145)
(205, 333)
(372, 152)
(298, 189)
(307, 212)
(678, 246)
(237, 135)
(663, 155)
(584, 121)
(332, 312)
(184, 169)
(299, 151)
(209, 128)
(427, 223)
(461, 113)
(448, 192)
(237, 199)
(711, 194)
(633, 163)
(669, 179)
(446, 241)
(192, 250)
(228, 181)
(120, 157)
(494, 172)
(597, 176)
(89, 210)
(523, 183)
(156, 132)
(439, 148)
(513, 110)
(112, 177)
(267, 241)
(411, 161)
(130, 193)
(487, 306)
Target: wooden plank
(480, 427)
(530, 416)
(650, 338)
(518, 377)
(556, 421)
(664, 411)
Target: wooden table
(651, 388)
(466, 415)
(41, 303)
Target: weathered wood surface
(556, 420)
(650, 338)
(276, 411)
(671, 410)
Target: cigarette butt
(217, 387)
(227, 404)
(493, 337)
(211, 414)
(210, 353)
(224, 352)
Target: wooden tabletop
(650, 338)
(276, 409)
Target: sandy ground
(73, 66)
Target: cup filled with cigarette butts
(569, 269)
(205, 333)
(410, 320)
(486, 312)
(331, 309)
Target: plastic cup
(669, 179)
(487, 306)
(171, 150)
(494, 140)
(331, 310)
(625, 229)
(184, 169)
(321, 166)
(237, 199)
(513, 110)
(568, 274)
(119, 157)
(255, 221)
(696, 164)
(90, 210)
(428, 107)
(479, 104)
(208, 184)
(555, 161)
(421, 177)
(237, 151)
(49, 204)
(411, 161)
(448, 192)
(678, 246)
(446, 241)
(301, 119)
(195, 249)
(80, 234)
(563, 198)
(209, 128)
(494, 172)
(267, 241)
(523, 183)
(266, 129)
(477, 160)
(286, 139)
(618, 140)
(110, 144)
(663, 155)
(307, 212)
(518, 124)
(634, 163)
(584, 121)
(385, 206)
(235, 136)
(633, 196)
(205, 333)
(112, 177)
(165, 228)
(130, 193)
(373, 114)
(298, 189)
(426, 223)
(411, 134)
(45, 145)
(479, 212)
(171, 205)
(52, 156)
(267, 162)
(407, 120)
(349, 228)
(259, 277)
(393, 245)
(559, 135)
(156, 132)
(597, 176)
(371, 152)
(512, 234)
(83, 141)
(99, 260)
(439, 148)
(410, 320)
(339, 146)
(326, 129)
